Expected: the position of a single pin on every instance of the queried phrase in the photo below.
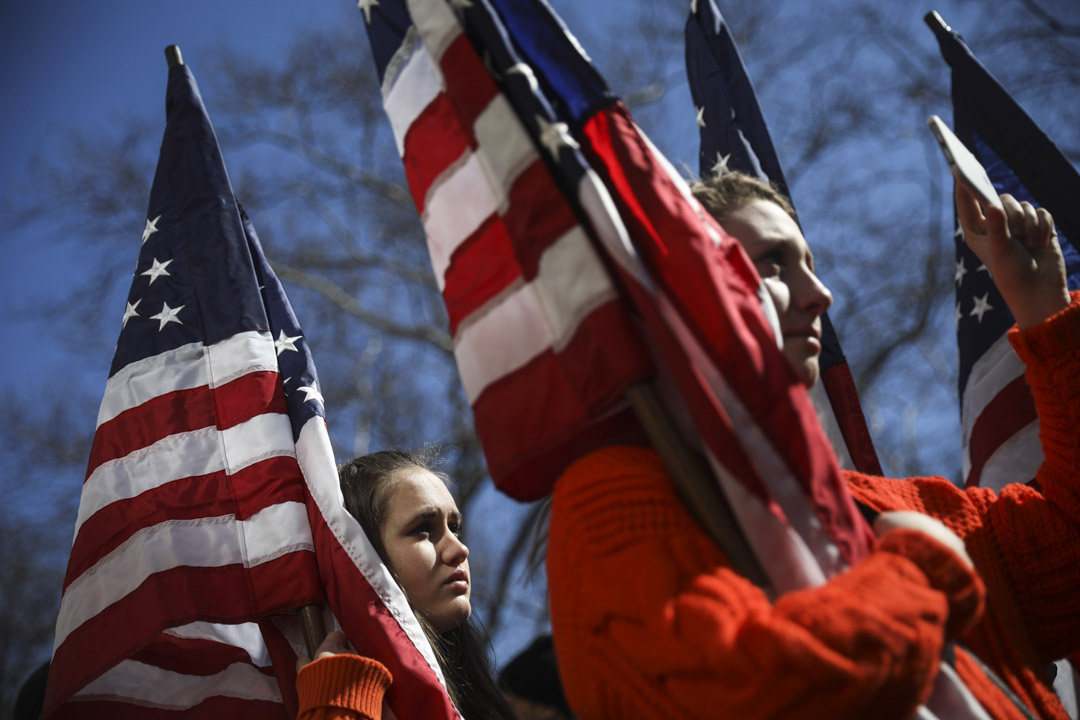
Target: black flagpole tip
(936, 22)
(173, 56)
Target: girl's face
(421, 536)
(783, 259)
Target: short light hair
(726, 193)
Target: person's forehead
(762, 221)
(418, 488)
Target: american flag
(547, 213)
(1000, 430)
(734, 136)
(211, 501)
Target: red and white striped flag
(211, 501)
(574, 263)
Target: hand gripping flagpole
(310, 615)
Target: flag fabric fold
(619, 257)
(1000, 431)
(734, 136)
(211, 502)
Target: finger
(1030, 238)
(333, 644)
(1014, 215)
(301, 661)
(967, 210)
(1046, 227)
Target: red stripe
(480, 268)
(434, 141)
(1010, 411)
(177, 597)
(469, 83)
(844, 398)
(243, 494)
(186, 410)
(283, 659)
(539, 410)
(538, 216)
(193, 656)
(219, 708)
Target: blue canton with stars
(201, 276)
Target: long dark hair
(462, 654)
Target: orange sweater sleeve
(342, 687)
(1025, 543)
(649, 620)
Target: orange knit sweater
(650, 622)
(342, 687)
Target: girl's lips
(458, 576)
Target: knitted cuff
(347, 682)
(1049, 337)
(945, 571)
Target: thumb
(301, 661)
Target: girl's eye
(769, 264)
(421, 529)
(455, 527)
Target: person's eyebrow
(424, 514)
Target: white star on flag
(157, 270)
(982, 306)
(961, 270)
(982, 268)
(720, 166)
(693, 6)
(554, 135)
(167, 315)
(959, 315)
(129, 312)
(284, 342)
(525, 71)
(461, 4)
(312, 393)
(701, 116)
(365, 7)
(150, 229)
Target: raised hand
(1019, 247)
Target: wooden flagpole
(310, 615)
(698, 488)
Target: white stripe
(151, 686)
(436, 23)
(185, 455)
(316, 458)
(1018, 459)
(997, 367)
(505, 147)
(202, 542)
(413, 88)
(770, 467)
(187, 367)
(532, 317)
(246, 636)
(458, 203)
